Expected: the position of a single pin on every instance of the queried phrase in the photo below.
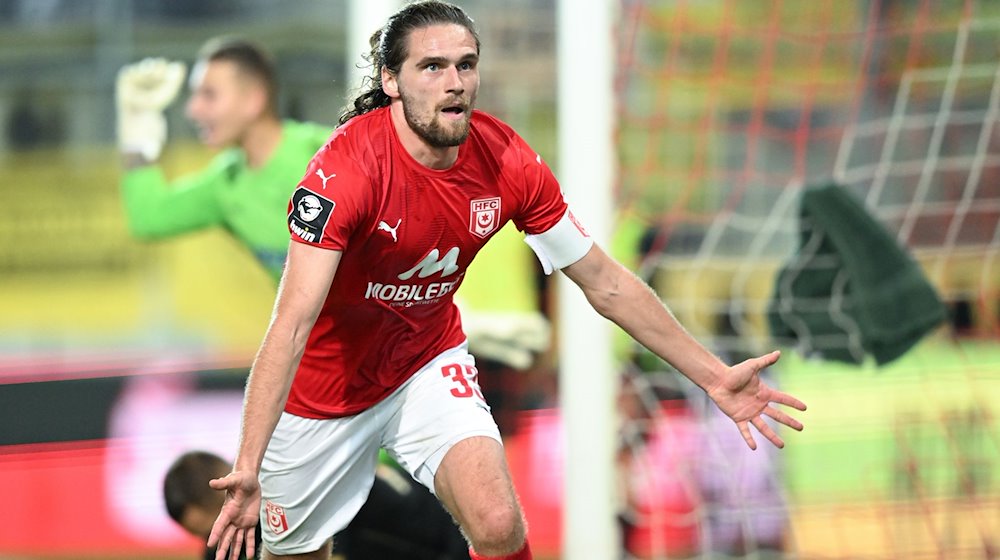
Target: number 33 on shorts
(465, 378)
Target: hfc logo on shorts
(276, 520)
(484, 216)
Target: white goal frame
(587, 381)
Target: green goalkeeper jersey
(249, 203)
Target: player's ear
(257, 99)
(389, 85)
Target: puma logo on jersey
(325, 178)
(384, 226)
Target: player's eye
(433, 67)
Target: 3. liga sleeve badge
(309, 214)
(484, 216)
(276, 520)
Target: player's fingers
(251, 542)
(767, 432)
(227, 539)
(175, 73)
(148, 69)
(234, 551)
(218, 528)
(788, 400)
(747, 436)
(224, 483)
(765, 361)
(783, 418)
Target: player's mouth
(454, 112)
(204, 129)
(207, 133)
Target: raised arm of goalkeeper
(154, 207)
(616, 293)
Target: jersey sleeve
(331, 202)
(156, 208)
(543, 204)
(553, 233)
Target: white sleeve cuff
(561, 245)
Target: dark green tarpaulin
(850, 290)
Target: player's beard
(432, 128)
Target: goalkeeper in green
(233, 103)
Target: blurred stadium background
(115, 355)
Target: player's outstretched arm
(155, 208)
(309, 271)
(616, 293)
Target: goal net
(727, 111)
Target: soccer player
(365, 346)
(234, 105)
(246, 190)
(382, 529)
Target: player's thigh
(314, 478)
(438, 407)
(444, 435)
(473, 482)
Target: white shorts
(316, 474)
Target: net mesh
(727, 110)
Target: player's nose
(453, 82)
(192, 109)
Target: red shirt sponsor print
(408, 234)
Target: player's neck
(261, 140)
(417, 147)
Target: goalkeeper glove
(142, 92)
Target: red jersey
(408, 233)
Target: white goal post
(587, 381)
(365, 16)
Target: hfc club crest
(276, 520)
(484, 216)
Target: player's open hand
(237, 522)
(745, 399)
